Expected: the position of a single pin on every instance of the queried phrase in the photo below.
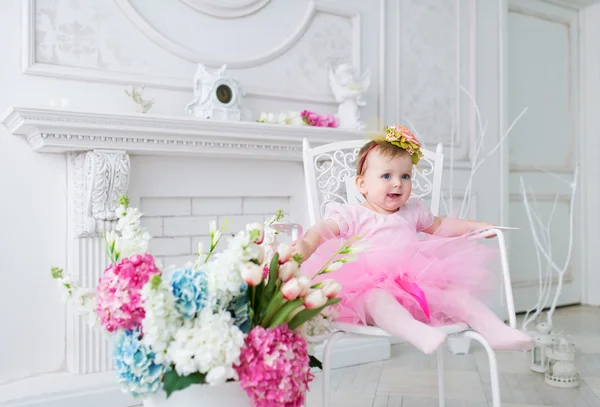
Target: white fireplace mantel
(98, 147)
(56, 130)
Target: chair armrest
(510, 303)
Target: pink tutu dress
(424, 273)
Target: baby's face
(386, 182)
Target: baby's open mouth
(393, 195)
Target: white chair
(329, 173)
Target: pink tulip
(285, 253)
(287, 270)
(304, 285)
(331, 288)
(315, 299)
(251, 273)
(261, 230)
(291, 289)
(260, 256)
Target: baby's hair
(388, 150)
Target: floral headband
(399, 136)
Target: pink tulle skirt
(425, 275)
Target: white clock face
(224, 93)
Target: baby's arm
(313, 238)
(459, 226)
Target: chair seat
(358, 329)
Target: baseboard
(357, 351)
(66, 390)
(101, 390)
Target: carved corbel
(99, 178)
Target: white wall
(87, 51)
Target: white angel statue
(349, 92)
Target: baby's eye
(406, 176)
(385, 176)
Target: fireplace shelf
(56, 130)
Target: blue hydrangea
(240, 311)
(190, 289)
(134, 363)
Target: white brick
(187, 225)
(166, 206)
(217, 206)
(236, 223)
(170, 246)
(256, 206)
(153, 225)
(206, 241)
(178, 261)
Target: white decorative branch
(543, 246)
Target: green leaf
(309, 314)
(273, 306)
(155, 281)
(269, 289)
(173, 382)
(123, 200)
(284, 312)
(314, 362)
(298, 258)
(56, 272)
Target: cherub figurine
(349, 93)
(137, 95)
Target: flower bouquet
(234, 316)
(303, 118)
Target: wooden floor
(409, 379)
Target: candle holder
(539, 354)
(562, 371)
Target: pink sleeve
(421, 214)
(342, 216)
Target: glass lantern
(562, 371)
(539, 354)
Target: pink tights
(384, 311)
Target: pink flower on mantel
(315, 119)
(274, 367)
(118, 299)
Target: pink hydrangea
(118, 298)
(315, 119)
(274, 367)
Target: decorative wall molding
(231, 9)
(563, 198)
(196, 57)
(571, 22)
(101, 177)
(462, 61)
(51, 130)
(31, 67)
(96, 179)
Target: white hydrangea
(208, 344)
(224, 278)
(82, 300)
(162, 319)
(133, 237)
(320, 324)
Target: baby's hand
(302, 248)
(487, 225)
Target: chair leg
(327, 366)
(459, 345)
(494, 382)
(440, 368)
